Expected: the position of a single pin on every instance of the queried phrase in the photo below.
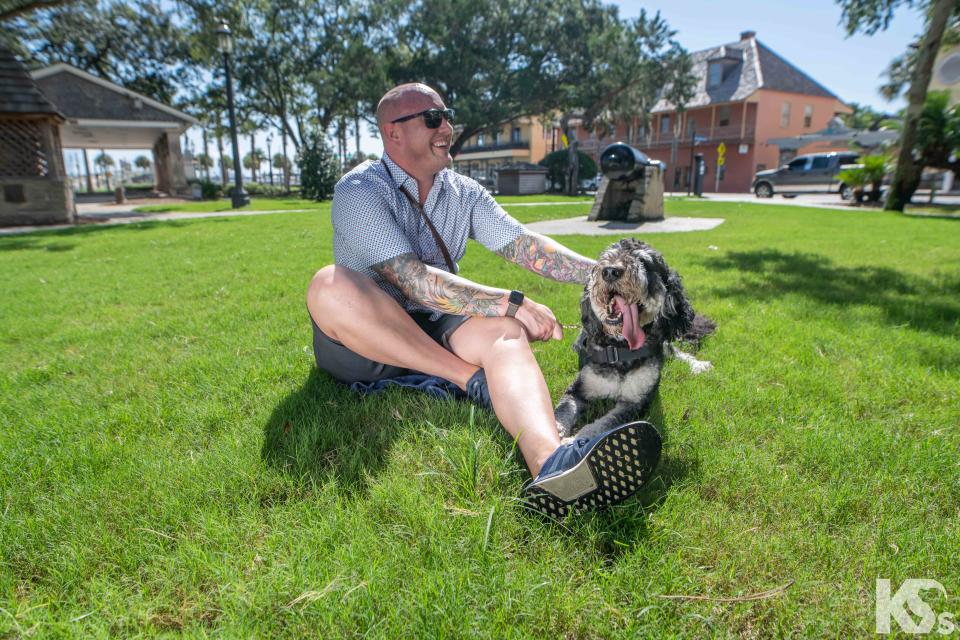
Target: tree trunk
(223, 165)
(86, 165)
(286, 161)
(206, 156)
(573, 159)
(907, 175)
(356, 129)
(253, 156)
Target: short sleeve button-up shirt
(373, 221)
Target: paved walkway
(106, 213)
(581, 226)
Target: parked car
(811, 173)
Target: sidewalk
(111, 214)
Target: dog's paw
(699, 366)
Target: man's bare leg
(518, 391)
(350, 308)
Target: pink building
(746, 95)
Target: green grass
(212, 206)
(171, 463)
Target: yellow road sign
(721, 148)
(720, 161)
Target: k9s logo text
(908, 609)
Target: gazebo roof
(18, 92)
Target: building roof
(749, 65)
(18, 92)
(79, 94)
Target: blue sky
(806, 33)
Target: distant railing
(499, 146)
(703, 136)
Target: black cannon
(632, 186)
(622, 162)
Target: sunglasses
(431, 117)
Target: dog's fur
(638, 273)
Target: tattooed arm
(548, 258)
(440, 290)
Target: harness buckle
(613, 354)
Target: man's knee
(482, 337)
(329, 289)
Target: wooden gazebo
(33, 184)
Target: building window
(785, 115)
(724, 116)
(665, 124)
(515, 134)
(480, 140)
(715, 74)
(808, 116)
(496, 137)
(691, 125)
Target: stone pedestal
(168, 165)
(635, 200)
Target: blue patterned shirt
(373, 221)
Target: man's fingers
(557, 331)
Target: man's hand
(539, 321)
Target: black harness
(610, 355)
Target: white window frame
(785, 115)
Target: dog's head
(632, 293)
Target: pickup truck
(811, 173)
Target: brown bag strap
(423, 214)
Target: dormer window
(715, 74)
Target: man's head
(411, 144)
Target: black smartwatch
(515, 300)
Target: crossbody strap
(423, 214)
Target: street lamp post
(225, 44)
(270, 157)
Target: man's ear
(391, 131)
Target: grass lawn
(212, 206)
(170, 461)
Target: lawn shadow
(16, 243)
(904, 299)
(323, 430)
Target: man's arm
(440, 290)
(548, 258)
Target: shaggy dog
(632, 308)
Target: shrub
(319, 169)
(856, 179)
(210, 190)
(558, 162)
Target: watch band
(514, 302)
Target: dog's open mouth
(622, 314)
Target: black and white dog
(633, 307)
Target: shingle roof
(759, 67)
(18, 92)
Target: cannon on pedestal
(632, 186)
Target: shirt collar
(404, 179)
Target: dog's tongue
(631, 326)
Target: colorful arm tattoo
(439, 290)
(542, 255)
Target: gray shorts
(349, 367)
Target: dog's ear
(588, 318)
(676, 316)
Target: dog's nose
(612, 274)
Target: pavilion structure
(33, 183)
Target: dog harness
(610, 355)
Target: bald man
(393, 303)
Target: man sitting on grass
(393, 302)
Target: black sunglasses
(431, 117)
